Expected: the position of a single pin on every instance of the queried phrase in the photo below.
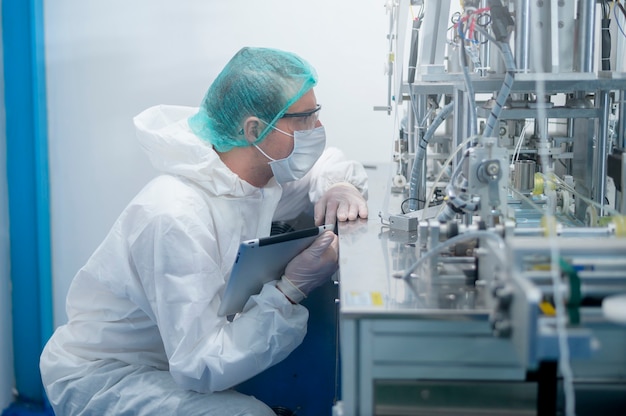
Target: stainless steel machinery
(493, 279)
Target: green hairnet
(256, 82)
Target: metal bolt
(493, 169)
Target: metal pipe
(600, 154)
(390, 62)
(461, 126)
(621, 125)
(585, 36)
(484, 51)
(422, 110)
(522, 34)
(564, 232)
(412, 125)
(412, 136)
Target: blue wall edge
(28, 186)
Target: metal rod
(621, 125)
(412, 124)
(585, 36)
(564, 232)
(600, 154)
(422, 110)
(461, 122)
(522, 34)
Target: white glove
(311, 268)
(342, 202)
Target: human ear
(251, 129)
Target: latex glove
(342, 202)
(311, 268)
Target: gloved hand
(342, 202)
(311, 268)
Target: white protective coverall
(143, 335)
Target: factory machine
(493, 279)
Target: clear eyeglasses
(305, 119)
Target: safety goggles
(305, 119)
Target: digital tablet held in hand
(262, 260)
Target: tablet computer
(262, 260)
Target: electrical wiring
(479, 17)
(452, 29)
(605, 36)
(471, 15)
(403, 208)
(507, 85)
(458, 202)
(518, 145)
(606, 8)
(484, 25)
(420, 14)
(420, 155)
(619, 25)
(469, 86)
(440, 175)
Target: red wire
(467, 16)
(470, 32)
(472, 25)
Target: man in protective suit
(144, 336)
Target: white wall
(109, 59)
(6, 335)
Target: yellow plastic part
(547, 308)
(538, 188)
(620, 225)
(549, 223)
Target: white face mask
(308, 146)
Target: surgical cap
(258, 82)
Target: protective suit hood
(164, 134)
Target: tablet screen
(262, 260)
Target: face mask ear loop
(275, 128)
(283, 132)
(263, 153)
